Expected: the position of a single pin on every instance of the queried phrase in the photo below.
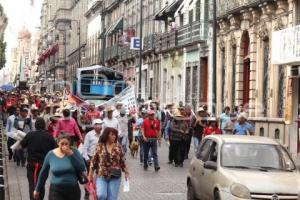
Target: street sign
(135, 43)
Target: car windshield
(256, 156)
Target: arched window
(261, 131)
(266, 56)
(277, 134)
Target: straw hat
(109, 109)
(177, 113)
(200, 109)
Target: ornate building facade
(245, 74)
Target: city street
(169, 183)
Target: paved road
(169, 183)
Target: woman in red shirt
(212, 128)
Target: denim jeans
(151, 144)
(196, 142)
(107, 189)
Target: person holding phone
(65, 163)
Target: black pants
(188, 146)
(10, 142)
(33, 171)
(177, 151)
(64, 192)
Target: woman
(53, 124)
(108, 163)
(65, 164)
(212, 128)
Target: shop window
(277, 134)
(191, 16)
(261, 132)
(266, 56)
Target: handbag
(82, 178)
(113, 172)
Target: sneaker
(157, 169)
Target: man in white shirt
(91, 140)
(90, 143)
(109, 120)
(123, 132)
(116, 112)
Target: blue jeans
(196, 142)
(107, 189)
(151, 144)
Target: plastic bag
(126, 186)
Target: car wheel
(217, 195)
(191, 193)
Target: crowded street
(149, 99)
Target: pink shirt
(69, 126)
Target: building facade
(245, 73)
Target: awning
(185, 5)
(168, 11)
(47, 53)
(118, 25)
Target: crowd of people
(93, 143)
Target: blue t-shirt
(224, 119)
(241, 129)
(64, 170)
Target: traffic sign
(135, 43)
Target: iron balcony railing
(190, 33)
(111, 52)
(166, 41)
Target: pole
(214, 57)
(79, 44)
(140, 53)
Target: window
(223, 76)
(198, 10)
(298, 12)
(204, 150)
(233, 74)
(195, 87)
(181, 20)
(191, 16)
(261, 132)
(179, 83)
(277, 134)
(281, 91)
(188, 85)
(265, 77)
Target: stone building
(245, 73)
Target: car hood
(266, 182)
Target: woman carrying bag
(67, 168)
(109, 163)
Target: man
(13, 113)
(22, 123)
(224, 118)
(34, 115)
(151, 136)
(90, 142)
(123, 132)
(116, 112)
(109, 120)
(242, 127)
(92, 114)
(38, 144)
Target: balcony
(149, 43)
(166, 41)
(111, 52)
(229, 7)
(62, 15)
(192, 33)
(126, 53)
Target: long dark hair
(105, 134)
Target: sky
(19, 13)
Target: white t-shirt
(111, 123)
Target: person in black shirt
(38, 144)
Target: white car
(232, 167)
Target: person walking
(92, 114)
(68, 125)
(198, 125)
(212, 127)
(108, 163)
(109, 120)
(22, 123)
(151, 136)
(13, 113)
(34, 115)
(123, 131)
(38, 143)
(65, 163)
(178, 133)
(242, 127)
(224, 118)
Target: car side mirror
(210, 165)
